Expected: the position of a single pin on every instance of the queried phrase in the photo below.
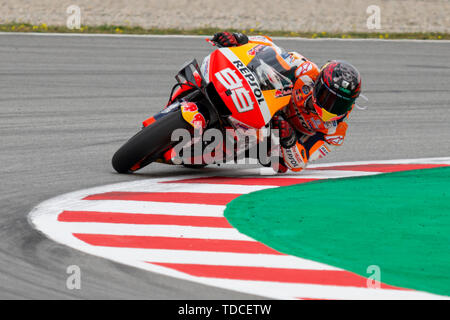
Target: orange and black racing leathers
(313, 137)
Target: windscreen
(267, 68)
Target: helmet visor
(331, 101)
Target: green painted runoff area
(397, 221)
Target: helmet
(336, 89)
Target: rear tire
(148, 144)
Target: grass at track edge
(399, 222)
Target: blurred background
(295, 15)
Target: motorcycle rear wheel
(148, 144)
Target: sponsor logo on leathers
(293, 158)
(335, 140)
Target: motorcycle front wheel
(148, 144)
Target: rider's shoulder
(297, 56)
(307, 69)
(261, 40)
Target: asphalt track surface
(67, 104)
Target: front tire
(148, 144)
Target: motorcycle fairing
(240, 88)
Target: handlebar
(213, 43)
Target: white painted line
(324, 174)
(293, 290)
(106, 35)
(216, 258)
(172, 231)
(361, 39)
(439, 160)
(255, 173)
(206, 188)
(174, 36)
(143, 207)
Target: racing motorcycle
(238, 88)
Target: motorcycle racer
(314, 121)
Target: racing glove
(288, 136)
(227, 39)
